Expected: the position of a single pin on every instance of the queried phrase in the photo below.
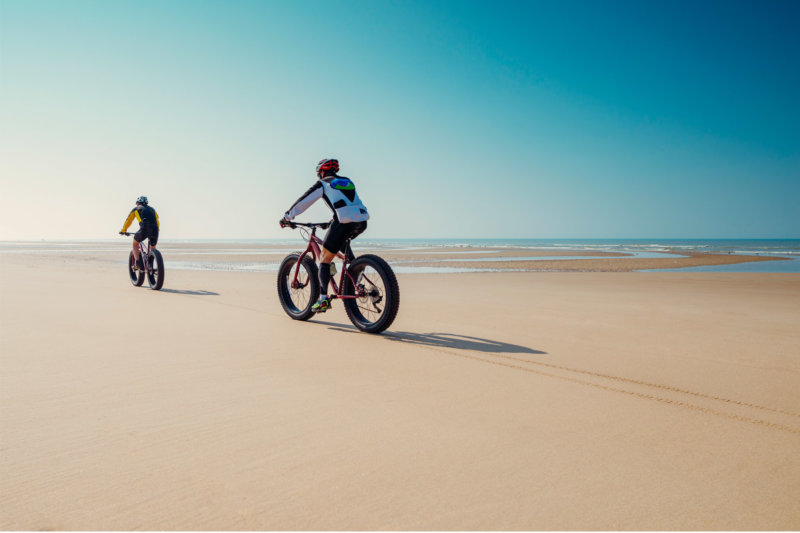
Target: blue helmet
(141, 200)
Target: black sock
(324, 278)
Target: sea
(643, 248)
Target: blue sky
(454, 119)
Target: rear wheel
(155, 278)
(136, 276)
(378, 293)
(298, 297)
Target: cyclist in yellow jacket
(148, 227)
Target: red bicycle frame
(313, 248)
(144, 250)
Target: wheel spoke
(371, 312)
(373, 288)
(299, 294)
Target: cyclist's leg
(138, 237)
(324, 303)
(153, 238)
(326, 256)
(356, 229)
(334, 240)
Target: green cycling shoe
(322, 305)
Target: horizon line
(50, 239)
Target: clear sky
(455, 119)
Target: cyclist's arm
(313, 194)
(128, 221)
(158, 224)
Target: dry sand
(496, 401)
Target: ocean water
(781, 247)
(763, 246)
(181, 258)
(642, 248)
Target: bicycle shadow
(191, 292)
(443, 340)
(459, 342)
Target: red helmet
(327, 164)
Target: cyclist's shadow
(198, 292)
(460, 342)
(446, 340)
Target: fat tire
(284, 295)
(136, 277)
(392, 296)
(155, 260)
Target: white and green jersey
(340, 195)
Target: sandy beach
(496, 401)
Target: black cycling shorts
(338, 235)
(146, 232)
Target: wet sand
(612, 263)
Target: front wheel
(374, 284)
(297, 295)
(155, 277)
(136, 276)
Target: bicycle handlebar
(126, 233)
(320, 225)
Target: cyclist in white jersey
(349, 219)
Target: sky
(455, 119)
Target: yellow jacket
(145, 215)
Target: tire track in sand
(641, 395)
